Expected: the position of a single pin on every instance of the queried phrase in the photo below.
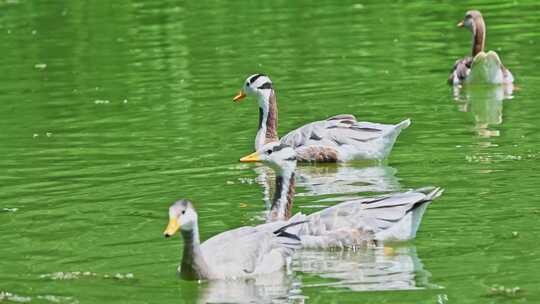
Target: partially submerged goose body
(336, 139)
(392, 217)
(480, 67)
(245, 251)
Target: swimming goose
(336, 139)
(245, 251)
(393, 217)
(481, 67)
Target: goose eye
(247, 84)
(268, 152)
(183, 211)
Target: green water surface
(111, 110)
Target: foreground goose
(245, 251)
(394, 217)
(338, 138)
(481, 67)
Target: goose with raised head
(336, 139)
(480, 67)
(394, 217)
(245, 251)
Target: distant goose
(357, 222)
(336, 139)
(245, 251)
(485, 68)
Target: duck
(339, 138)
(353, 223)
(241, 252)
(480, 67)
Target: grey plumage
(352, 223)
(344, 138)
(243, 251)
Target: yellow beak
(253, 157)
(460, 24)
(172, 228)
(239, 97)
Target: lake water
(110, 111)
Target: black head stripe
(279, 147)
(255, 77)
(266, 85)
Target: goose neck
(193, 266)
(268, 119)
(282, 202)
(479, 36)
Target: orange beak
(460, 24)
(253, 157)
(239, 97)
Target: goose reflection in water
(486, 105)
(368, 269)
(278, 287)
(340, 182)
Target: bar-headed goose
(245, 251)
(481, 67)
(393, 217)
(336, 139)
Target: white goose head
(256, 84)
(261, 86)
(279, 156)
(282, 158)
(182, 216)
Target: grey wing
(342, 137)
(239, 252)
(375, 215)
(249, 250)
(460, 70)
(334, 131)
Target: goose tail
(404, 124)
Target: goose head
(475, 23)
(279, 156)
(182, 216)
(259, 85)
(472, 21)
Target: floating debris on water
(125, 101)
(75, 275)
(246, 180)
(10, 209)
(230, 183)
(8, 296)
(101, 101)
(500, 290)
(11, 297)
(490, 158)
(40, 66)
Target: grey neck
(479, 36)
(193, 266)
(282, 202)
(268, 119)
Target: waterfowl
(356, 222)
(245, 251)
(480, 67)
(336, 139)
